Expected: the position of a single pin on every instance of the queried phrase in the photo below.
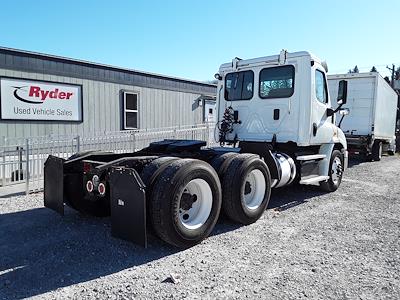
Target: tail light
(86, 167)
(101, 189)
(89, 186)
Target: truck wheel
(391, 152)
(149, 175)
(185, 201)
(377, 151)
(154, 168)
(335, 172)
(221, 162)
(246, 187)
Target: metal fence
(22, 160)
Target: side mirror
(342, 93)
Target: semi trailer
(370, 126)
(276, 126)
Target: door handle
(314, 129)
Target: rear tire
(377, 151)
(150, 174)
(335, 172)
(246, 186)
(221, 162)
(185, 201)
(153, 169)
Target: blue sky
(191, 39)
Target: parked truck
(276, 126)
(370, 126)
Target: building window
(320, 87)
(131, 116)
(239, 86)
(277, 82)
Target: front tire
(335, 172)
(186, 202)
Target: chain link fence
(22, 160)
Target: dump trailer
(276, 126)
(370, 126)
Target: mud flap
(128, 206)
(54, 184)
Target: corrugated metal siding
(40, 63)
(102, 108)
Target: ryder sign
(41, 101)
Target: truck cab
(283, 102)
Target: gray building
(44, 94)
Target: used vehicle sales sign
(36, 100)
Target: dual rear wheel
(185, 196)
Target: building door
(210, 116)
(210, 111)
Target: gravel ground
(343, 245)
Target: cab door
(321, 125)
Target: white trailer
(370, 125)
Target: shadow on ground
(357, 160)
(291, 196)
(41, 251)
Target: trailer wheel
(185, 201)
(377, 151)
(335, 173)
(246, 187)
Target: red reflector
(89, 186)
(86, 167)
(101, 189)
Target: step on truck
(276, 127)
(370, 126)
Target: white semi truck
(370, 126)
(277, 116)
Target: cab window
(320, 87)
(277, 82)
(239, 85)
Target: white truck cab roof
(267, 60)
